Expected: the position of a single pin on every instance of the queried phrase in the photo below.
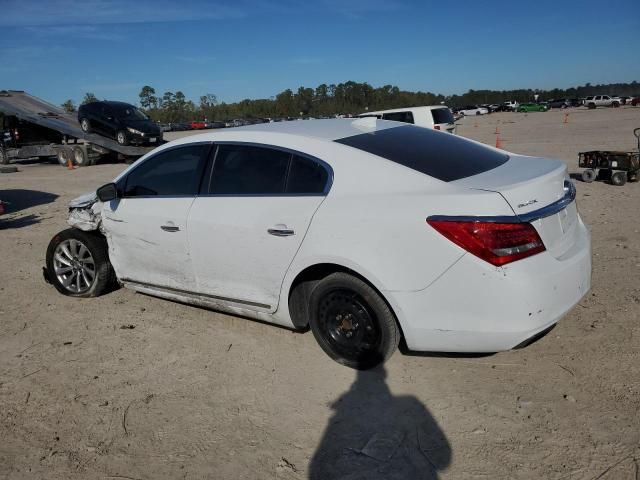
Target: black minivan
(121, 121)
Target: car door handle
(281, 231)
(170, 228)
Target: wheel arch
(300, 287)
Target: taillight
(496, 243)
(436, 127)
(15, 134)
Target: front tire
(122, 138)
(78, 264)
(351, 322)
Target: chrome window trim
(125, 178)
(551, 209)
(322, 163)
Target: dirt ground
(127, 386)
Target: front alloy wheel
(78, 264)
(74, 266)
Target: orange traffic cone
(498, 142)
(69, 164)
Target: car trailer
(33, 127)
(617, 167)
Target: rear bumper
(475, 307)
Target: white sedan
(365, 230)
(473, 110)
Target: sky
(61, 49)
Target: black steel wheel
(85, 125)
(78, 264)
(589, 175)
(351, 322)
(619, 178)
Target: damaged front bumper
(84, 212)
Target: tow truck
(32, 127)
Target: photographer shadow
(376, 435)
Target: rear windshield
(442, 115)
(439, 155)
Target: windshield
(132, 113)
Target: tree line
(343, 98)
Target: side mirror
(107, 192)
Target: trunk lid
(539, 191)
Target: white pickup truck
(602, 101)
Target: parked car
(473, 110)
(197, 125)
(559, 103)
(437, 117)
(121, 121)
(290, 223)
(533, 107)
(635, 101)
(511, 106)
(181, 126)
(601, 101)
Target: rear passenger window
(442, 115)
(248, 170)
(306, 176)
(172, 172)
(405, 117)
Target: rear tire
(619, 178)
(591, 106)
(589, 175)
(615, 104)
(78, 264)
(351, 322)
(85, 125)
(80, 157)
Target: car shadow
(376, 435)
(16, 200)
